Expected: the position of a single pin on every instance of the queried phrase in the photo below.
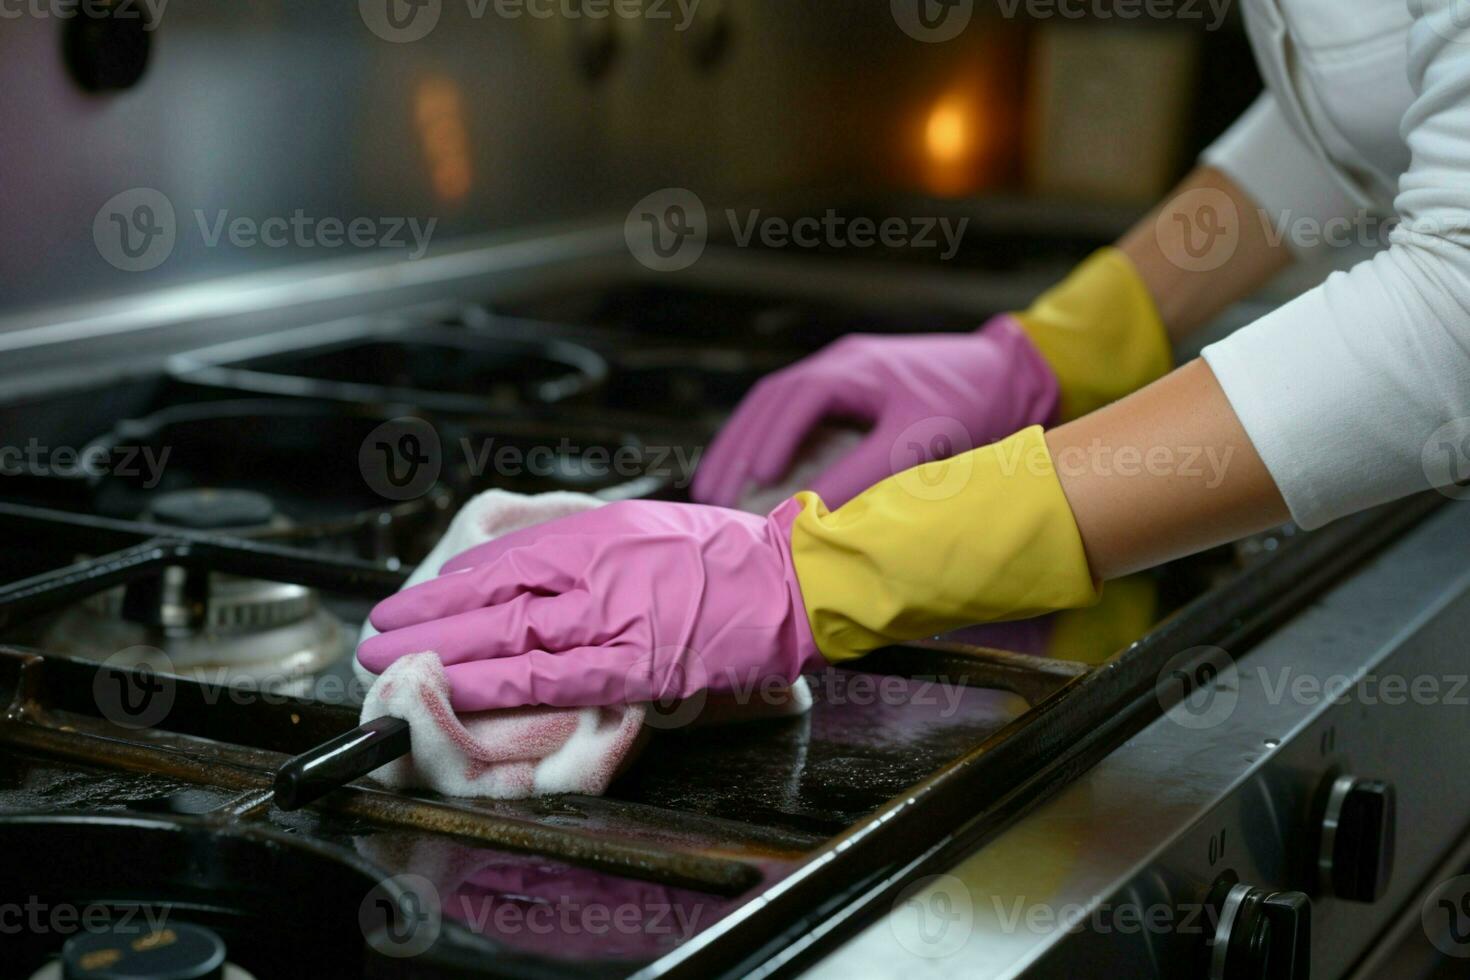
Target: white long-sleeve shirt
(1358, 391)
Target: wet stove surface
(771, 791)
(703, 820)
(865, 741)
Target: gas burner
(209, 509)
(436, 368)
(181, 951)
(213, 627)
(269, 635)
(313, 474)
(262, 902)
(279, 470)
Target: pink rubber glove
(634, 601)
(924, 398)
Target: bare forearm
(1202, 250)
(1166, 472)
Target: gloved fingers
(550, 569)
(869, 463)
(771, 456)
(723, 450)
(722, 474)
(772, 419)
(528, 622)
(583, 677)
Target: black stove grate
(828, 860)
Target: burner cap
(212, 510)
(177, 951)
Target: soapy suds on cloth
(520, 752)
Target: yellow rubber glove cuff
(1101, 332)
(1129, 609)
(980, 537)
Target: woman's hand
(646, 600)
(634, 601)
(922, 397)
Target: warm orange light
(439, 113)
(965, 136)
(957, 142)
(947, 135)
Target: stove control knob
(107, 48)
(1260, 935)
(1355, 849)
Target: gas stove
(174, 630)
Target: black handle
(1357, 845)
(310, 776)
(1289, 949)
(1259, 934)
(106, 48)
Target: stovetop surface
(704, 821)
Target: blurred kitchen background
(525, 141)
(1051, 122)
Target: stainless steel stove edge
(1111, 876)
